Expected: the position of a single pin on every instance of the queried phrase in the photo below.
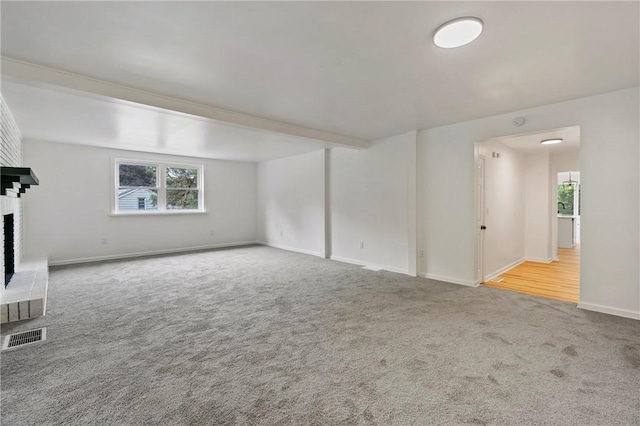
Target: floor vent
(24, 338)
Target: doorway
(520, 225)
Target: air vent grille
(24, 338)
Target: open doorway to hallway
(528, 213)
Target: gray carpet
(256, 335)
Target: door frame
(479, 221)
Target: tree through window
(182, 188)
(158, 187)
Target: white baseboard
(371, 266)
(468, 283)
(501, 271)
(610, 310)
(540, 260)
(145, 253)
(295, 249)
(347, 260)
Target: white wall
(609, 159)
(565, 161)
(291, 203)
(372, 199)
(538, 216)
(68, 215)
(504, 239)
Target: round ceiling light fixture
(551, 141)
(458, 32)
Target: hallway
(558, 280)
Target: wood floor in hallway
(558, 280)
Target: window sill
(163, 213)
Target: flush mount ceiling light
(551, 141)
(458, 32)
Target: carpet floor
(256, 335)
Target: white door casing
(480, 227)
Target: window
(158, 187)
(569, 199)
(182, 188)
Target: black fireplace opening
(9, 253)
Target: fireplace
(9, 252)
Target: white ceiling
(54, 114)
(530, 143)
(361, 69)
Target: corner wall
(609, 158)
(373, 204)
(291, 203)
(68, 215)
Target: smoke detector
(519, 121)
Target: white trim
(626, 313)
(540, 260)
(145, 253)
(501, 271)
(148, 213)
(467, 283)
(370, 266)
(20, 71)
(347, 260)
(288, 248)
(390, 269)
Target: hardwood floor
(558, 280)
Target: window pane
(565, 199)
(182, 199)
(178, 177)
(130, 199)
(137, 175)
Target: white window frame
(161, 187)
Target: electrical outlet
(103, 241)
(361, 244)
(421, 254)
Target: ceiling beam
(22, 71)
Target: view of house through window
(158, 187)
